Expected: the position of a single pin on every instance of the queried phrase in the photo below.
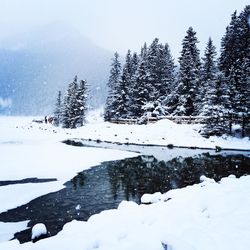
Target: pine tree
(189, 75)
(235, 58)
(217, 107)
(125, 87)
(141, 90)
(135, 62)
(166, 72)
(81, 98)
(74, 105)
(153, 70)
(144, 52)
(208, 75)
(114, 79)
(58, 110)
(70, 105)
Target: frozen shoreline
(193, 218)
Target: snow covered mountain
(36, 65)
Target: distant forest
(149, 83)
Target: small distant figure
(45, 119)
(50, 120)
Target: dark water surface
(105, 186)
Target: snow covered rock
(203, 178)
(151, 198)
(37, 231)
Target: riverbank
(161, 133)
(203, 216)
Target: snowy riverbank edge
(204, 216)
(163, 133)
(130, 226)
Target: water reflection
(145, 174)
(105, 186)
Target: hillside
(35, 65)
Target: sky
(119, 25)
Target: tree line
(151, 83)
(70, 110)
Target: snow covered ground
(205, 216)
(164, 132)
(200, 217)
(31, 150)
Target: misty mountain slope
(35, 66)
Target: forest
(150, 84)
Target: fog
(122, 24)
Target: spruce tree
(114, 79)
(69, 111)
(235, 58)
(153, 64)
(141, 90)
(125, 87)
(135, 62)
(166, 72)
(217, 107)
(58, 110)
(189, 74)
(208, 75)
(81, 100)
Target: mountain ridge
(36, 66)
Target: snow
(78, 207)
(204, 216)
(164, 132)
(151, 198)
(31, 150)
(38, 230)
(38, 152)
(7, 230)
(10, 195)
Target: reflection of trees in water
(145, 174)
(79, 180)
(137, 176)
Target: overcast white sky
(123, 24)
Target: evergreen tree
(58, 110)
(189, 75)
(235, 58)
(70, 105)
(216, 107)
(114, 79)
(135, 62)
(209, 68)
(81, 98)
(141, 90)
(208, 76)
(74, 104)
(153, 70)
(161, 71)
(166, 71)
(144, 52)
(125, 87)
(229, 47)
